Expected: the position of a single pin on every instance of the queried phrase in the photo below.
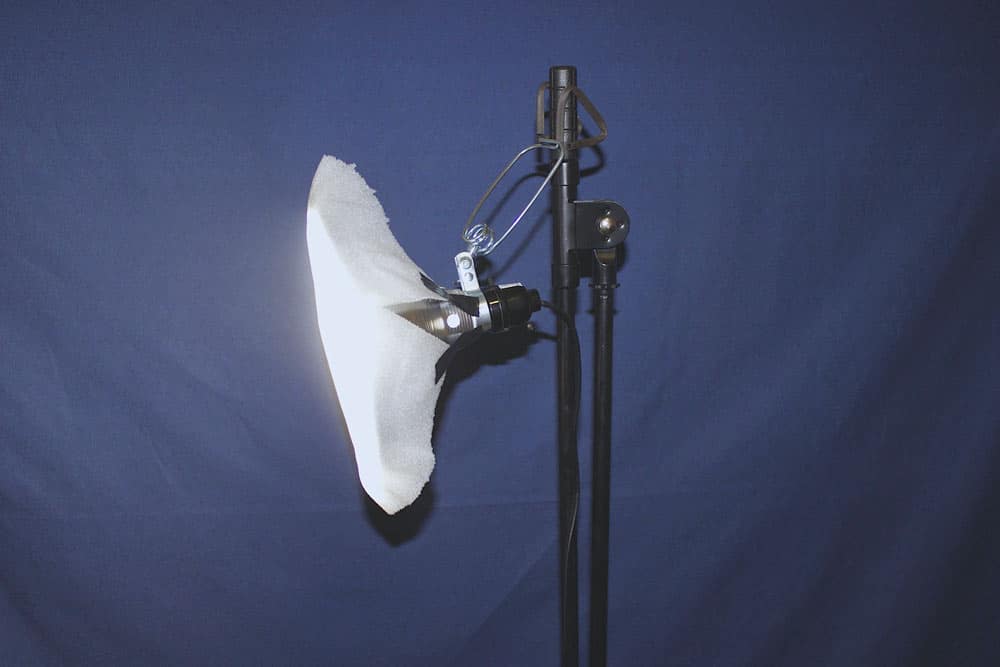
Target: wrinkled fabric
(382, 365)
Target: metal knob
(607, 224)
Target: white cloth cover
(382, 365)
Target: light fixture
(389, 331)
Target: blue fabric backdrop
(807, 433)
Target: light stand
(594, 230)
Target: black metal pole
(604, 283)
(565, 278)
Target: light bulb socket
(511, 305)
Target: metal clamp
(467, 276)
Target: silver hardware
(467, 277)
(607, 224)
(480, 236)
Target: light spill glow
(381, 364)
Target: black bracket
(600, 224)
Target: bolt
(607, 224)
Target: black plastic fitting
(511, 305)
